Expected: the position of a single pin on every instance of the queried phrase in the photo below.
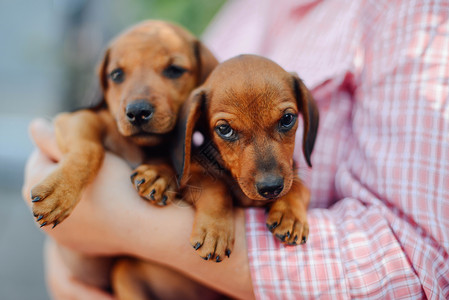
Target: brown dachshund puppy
(145, 76)
(247, 113)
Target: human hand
(62, 284)
(99, 211)
(112, 219)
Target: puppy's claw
(197, 246)
(281, 237)
(271, 227)
(152, 194)
(40, 218)
(164, 200)
(293, 243)
(139, 182)
(303, 240)
(228, 253)
(217, 259)
(133, 175)
(207, 257)
(43, 224)
(36, 199)
(55, 224)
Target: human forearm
(111, 219)
(166, 240)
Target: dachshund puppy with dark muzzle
(247, 112)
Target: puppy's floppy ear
(206, 61)
(98, 100)
(191, 111)
(309, 110)
(102, 69)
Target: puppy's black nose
(270, 186)
(139, 112)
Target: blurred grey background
(48, 53)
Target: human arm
(60, 281)
(111, 219)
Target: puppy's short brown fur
(145, 75)
(247, 112)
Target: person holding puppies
(379, 184)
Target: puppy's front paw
(288, 224)
(155, 183)
(53, 200)
(212, 237)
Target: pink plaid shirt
(379, 215)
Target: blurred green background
(48, 53)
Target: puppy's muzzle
(270, 186)
(139, 112)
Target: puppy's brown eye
(226, 132)
(117, 75)
(287, 122)
(173, 71)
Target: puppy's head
(147, 73)
(248, 108)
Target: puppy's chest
(135, 155)
(208, 157)
(124, 148)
